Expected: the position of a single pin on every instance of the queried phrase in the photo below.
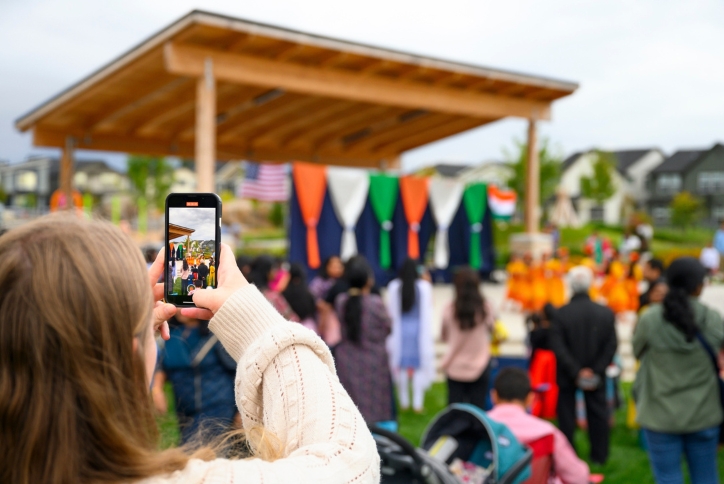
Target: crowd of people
(381, 349)
(385, 359)
(189, 269)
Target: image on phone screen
(192, 249)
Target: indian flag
(501, 202)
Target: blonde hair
(74, 400)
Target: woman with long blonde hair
(77, 354)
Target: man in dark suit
(583, 337)
(203, 273)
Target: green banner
(475, 199)
(383, 197)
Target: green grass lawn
(628, 462)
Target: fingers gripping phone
(193, 235)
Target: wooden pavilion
(176, 231)
(214, 88)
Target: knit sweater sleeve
(286, 385)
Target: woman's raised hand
(229, 278)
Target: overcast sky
(202, 220)
(651, 72)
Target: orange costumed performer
(555, 286)
(538, 295)
(517, 270)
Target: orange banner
(414, 193)
(310, 182)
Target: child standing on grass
(410, 345)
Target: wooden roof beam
(185, 60)
(129, 144)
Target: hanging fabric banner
(348, 188)
(311, 184)
(502, 202)
(475, 199)
(445, 196)
(383, 198)
(413, 190)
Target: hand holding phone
(193, 232)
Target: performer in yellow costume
(555, 286)
(517, 270)
(614, 288)
(537, 280)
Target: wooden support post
(67, 172)
(206, 129)
(532, 182)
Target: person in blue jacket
(201, 374)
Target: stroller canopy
(482, 442)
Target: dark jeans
(597, 415)
(699, 448)
(469, 391)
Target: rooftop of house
(682, 160)
(450, 170)
(624, 158)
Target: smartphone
(193, 235)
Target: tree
(600, 186)
(686, 210)
(550, 169)
(151, 178)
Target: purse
(715, 363)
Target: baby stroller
(461, 431)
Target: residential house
(629, 180)
(30, 184)
(699, 172)
(228, 175)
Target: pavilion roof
(281, 95)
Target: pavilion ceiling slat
(283, 134)
(323, 109)
(336, 135)
(152, 99)
(244, 112)
(255, 123)
(229, 96)
(362, 137)
(310, 136)
(400, 130)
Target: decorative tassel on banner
(383, 197)
(311, 184)
(475, 199)
(445, 197)
(413, 190)
(348, 188)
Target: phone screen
(192, 245)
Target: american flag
(264, 182)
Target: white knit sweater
(286, 383)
